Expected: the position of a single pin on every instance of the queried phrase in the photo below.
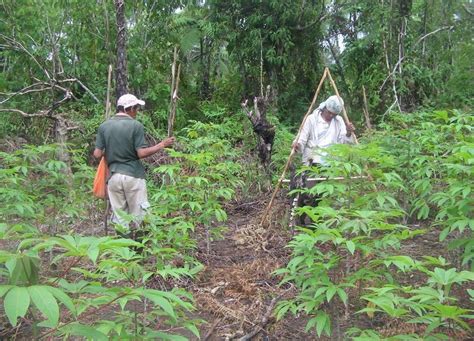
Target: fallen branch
(258, 328)
(211, 330)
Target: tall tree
(121, 85)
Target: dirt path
(236, 290)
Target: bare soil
(237, 290)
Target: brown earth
(236, 291)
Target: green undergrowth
(395, 245)
(61, 277)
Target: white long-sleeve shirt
(317, 134)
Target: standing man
(121, 140)
(323, 128)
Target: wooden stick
(211, 329)
(286, 181)
(107, 115)
(366, 110)
(344, 113)
(174, 92)
(107, 101)
(258, 328)
(173, 104)
(292, 153)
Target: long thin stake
(107, 102)
(173, 104)
(174, 80)
(344, 113)
(107, 115)
(366, 110)
(292, 153)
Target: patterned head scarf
(333, 104)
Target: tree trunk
(121, 66)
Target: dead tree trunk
(121, 66)
(264, 130)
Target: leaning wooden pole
(366, 110)
(344, 113)
(107, 116)
(174, 101)
(292, 153)
(173, 92)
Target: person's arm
(99, 144)
(345, 134)
(304, 135)
(98, 153)
(148, 151)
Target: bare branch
(467, 9)
(433, 32)
(24, 114)
(25, 90)
(43, 113)
(19, 46)
(417, 42)
(87, 89)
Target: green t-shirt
(121, 136)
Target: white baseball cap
(129, 100)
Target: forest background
(398, 64)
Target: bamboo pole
(107, 115)
(173, 92)
(344, 113)
(107, 101)
(292, 153)
(173, 104)
(366, 110)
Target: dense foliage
(357, 256)
(406, 53)
(394, 244)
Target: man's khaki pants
(127, 194)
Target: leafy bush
(96, 287)
(419, 182)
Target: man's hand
(350, 129)
(98, 153)
(295, 146)
(167, 142)
(146, 152)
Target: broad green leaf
(166, 336)
(16, 304)
(78, 329)
(322, 323)
(330, 293)
(4, 289)
(23, 270)
(156, 297)
(350, 246)
(63, 298)
(45, 302)
(342, 295)
(193, 329)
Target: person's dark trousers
(306, 199)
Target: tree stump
(264, 130)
